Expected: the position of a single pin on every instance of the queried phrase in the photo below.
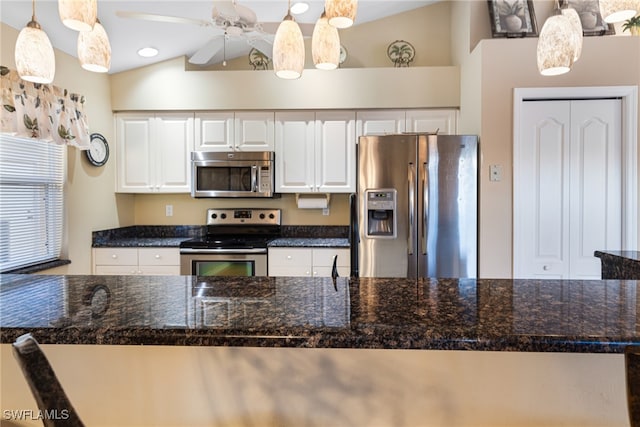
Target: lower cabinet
(312, 262)
(133, 261)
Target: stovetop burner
(238, 229)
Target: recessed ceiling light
(299, 7)
(148, 52)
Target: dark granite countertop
(619, 264)
(445, 314)
(310, 242)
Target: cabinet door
(254, 131)
(295, 154)
(173, 146)
(290, 261)
(380, 122)
(323, 261)
(444, 122)
(214, 131)
(134, 133)
(159, 256)
(335, 152)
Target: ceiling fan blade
(225, 9)
(208, 51)
(161, 18)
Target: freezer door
(390, 163)
(448, 199)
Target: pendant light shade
(288, 49)
(35, 60)
(79, 15)
(325, 45)
(576, 26)
(618, 10)
(94, 49)
(341, 13)
(556, 46)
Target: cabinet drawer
(159, 256)
(118, 270)
(116, 256)
(324, 257)
(326, 271)
(290, 257)
(159, 270)
(290, 270)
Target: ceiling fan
(236, 30)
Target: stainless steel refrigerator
(415, 213)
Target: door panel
(567, 187)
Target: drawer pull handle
(114, 256)
(288, 256)
(157, 256)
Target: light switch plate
(495, 173)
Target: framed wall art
(512, 18)
(589, 13)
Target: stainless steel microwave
(232, 174)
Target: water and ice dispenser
(381, 213)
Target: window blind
(31, 201)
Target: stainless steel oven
(224, 262)
(235, 243)
(232, 174)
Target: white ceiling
(127, 35)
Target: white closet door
(541, 179)
(596, 183)
(568, 187)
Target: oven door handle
(223, 251)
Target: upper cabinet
(239, 131)
(382, 122)
(315, 152)
(153, 152)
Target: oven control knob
(271, 216)
(261, 216)
(223, 215)
(214, 216)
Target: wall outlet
(168, 210)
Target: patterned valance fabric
(44, 112)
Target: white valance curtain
(43, 112)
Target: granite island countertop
(619, 264)
(444, 314)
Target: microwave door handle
(254, 179)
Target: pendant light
(325, 44)
(576, 26)
(35, 60)
(79, 15)
(94, 49)
(618, 10)
(557, 43)
(288, 48)
(341, 13)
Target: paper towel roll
(312, 203)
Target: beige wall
(605, 61)
(91, 203)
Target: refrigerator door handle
(425, 207)
(412, 206)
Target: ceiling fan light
(79, 15)
(34, 57)
(325, 45)
(94, 49)
(556, 46)
(341, 13)
(618, 10)
(288, 50)
(576, 26)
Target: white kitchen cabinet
(380, 122)
(315, 152)
(311, 262)
(153, 152)
(136, 261)
(444, 121)
(239, 131)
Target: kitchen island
(343, 353)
